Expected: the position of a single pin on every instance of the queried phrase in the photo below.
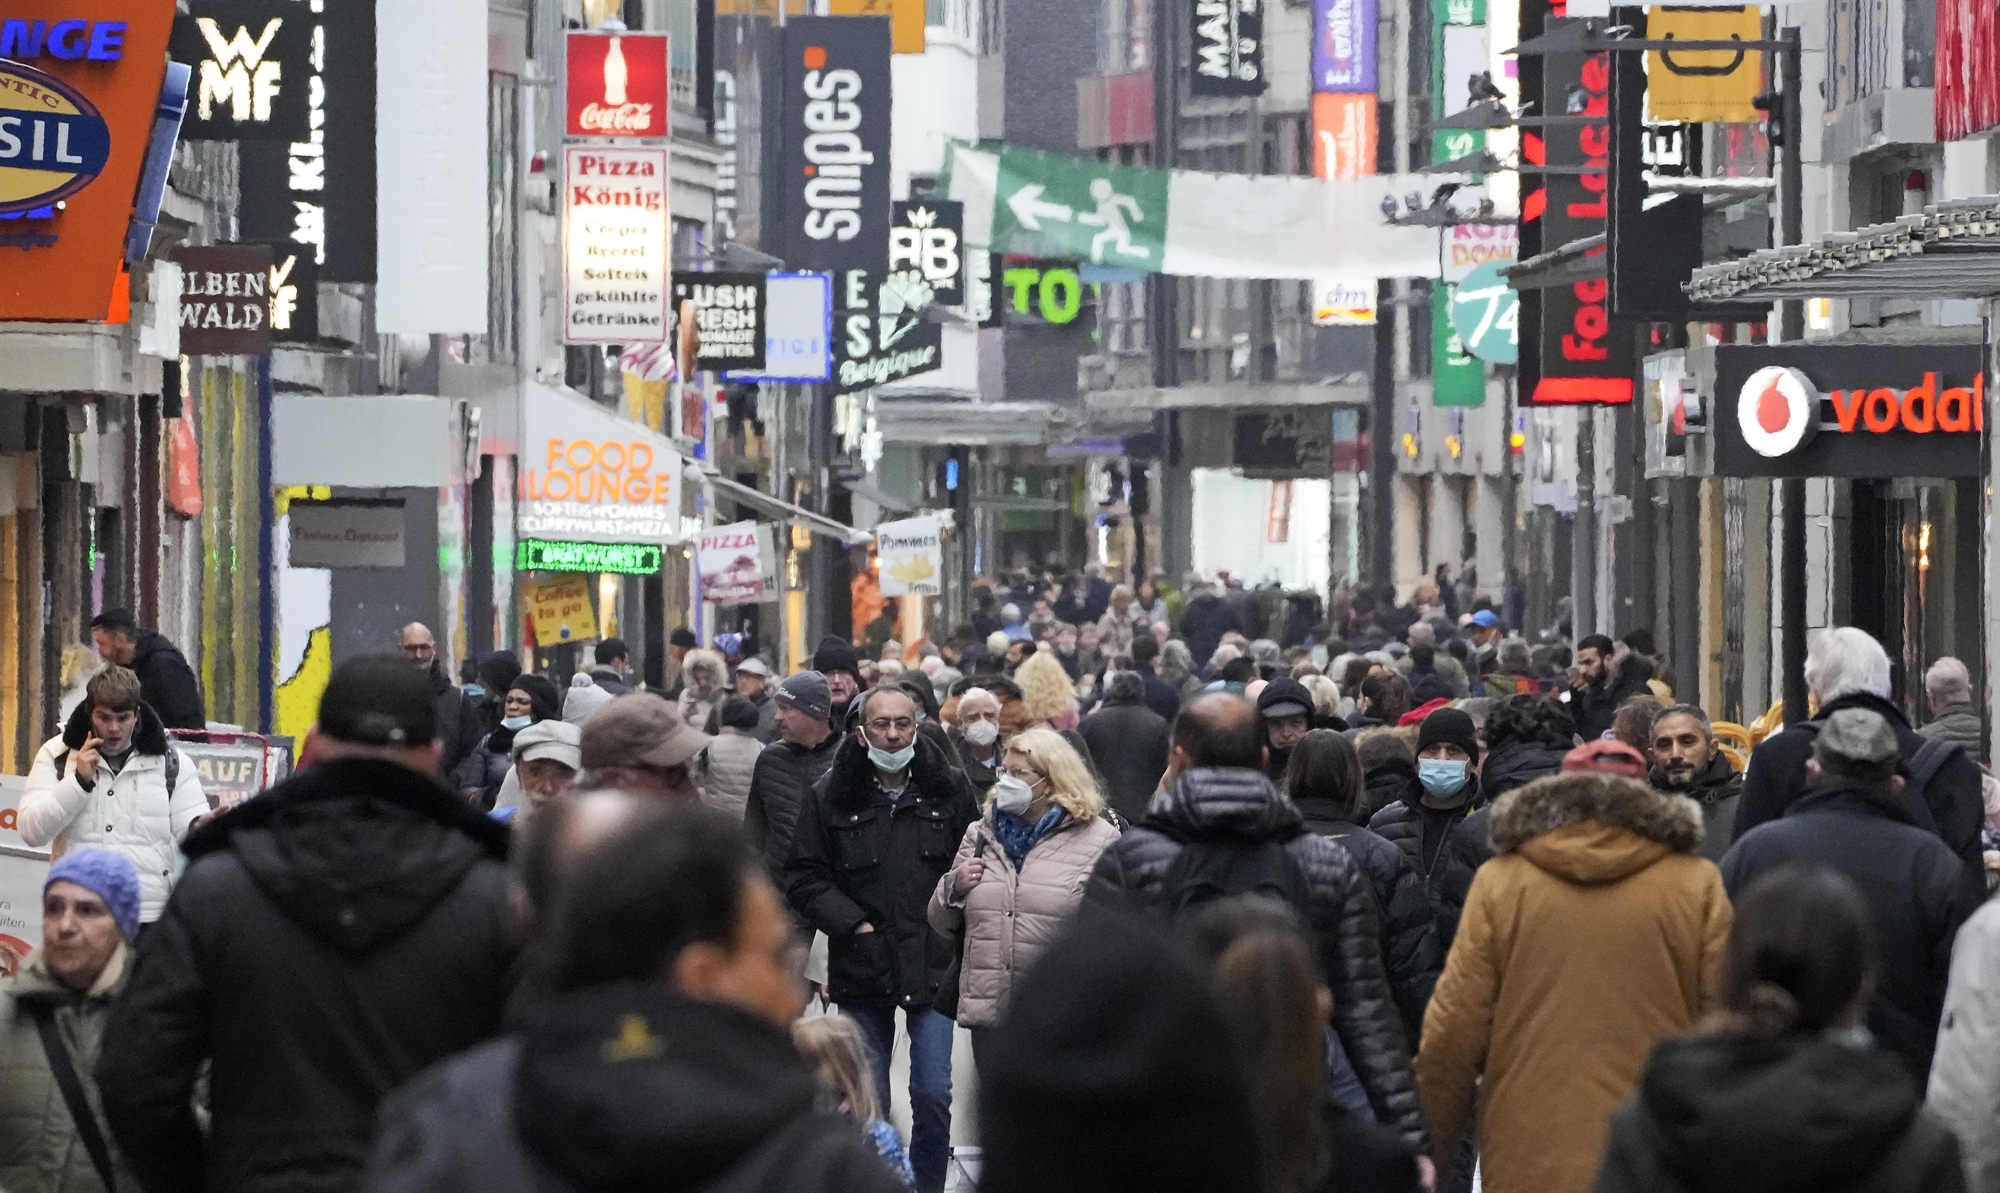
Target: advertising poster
(728, 316)
(22, 872)
(617, 85)
(1344, 135)
(1227, 48)
(731, 564)
(617, 245)
(560, 610)
(1469, 246)
(833, 198)
(912, 555)
(1343, 49)
(798, 316)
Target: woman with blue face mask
(528, 699)
(1440, 823)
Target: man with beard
(1284, 717)
(1686, 762)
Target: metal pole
(1583, 529)
(819, 581)
(1382, 445)
(1791, 328)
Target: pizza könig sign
(1855, 411)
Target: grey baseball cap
(807, 692)
(1858, 736)
(550, 739)
(639, 729)
(753, 666)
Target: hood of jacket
(356, 850)
(1772, 1116)
(148, 644)
(149, 736)
(632, 1087)
(1590, 828)
(1517, 763)
(851, 778)
(1224, 802)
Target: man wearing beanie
(1284, 717)
(331, 938)
(62, 999)
(788, 768)
(1440, 825)
(837, 661)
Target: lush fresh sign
(627, 559)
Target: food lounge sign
(1858, 412)
(589, 476)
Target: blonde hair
(1070, 784)
(839, 1056)
(79, 663)
(1045, 686)
(1325, 693)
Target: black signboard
(729, 316)
(1227, 48)
(832, 184)
(1290, 442)
(294, 294)
(1856, 411)
(878, 335)
(924, 256)
(225, 300)
(252, 62)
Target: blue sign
(98, 41)
(53, 141)
(798, 325)
(1343, 46)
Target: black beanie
(1449, 726)
(836, 654)
(1114, 1072)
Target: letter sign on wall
(226, 300)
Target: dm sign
(1853, 411)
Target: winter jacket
(1918, 895)
(1730, 1115)
(166, 682)
(459, 723)
(40, 1148)
(1594, 708)
(627, 1086)
(1162, 697)
(1392, 782)
(1242, 805)
(1593, 932)
(859, 859)
(1517, 764)
(484, 770)
(1207, 619)
(1956, 722)
(1718, 790)
(780, 784)
(331, 938)
(610, 681)
(977, 773)
(728, 766)
(1953, 799)
(131, 813)
(1965, 1075)
(1446, 870)
(1128, 743)
(1114, 633)
(1410, 948)
(1012, 915)
(1447, 669)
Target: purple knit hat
(107, 875)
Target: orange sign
(906, 20)
(113, 54)
(1343, 135)
(1920, 408)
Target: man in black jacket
(1853, 818)
(663, 1060)
(330, 939)
(1207, 618)
(614, 666)
(1591, 701)
(787, 770)
(166, 682)
(1128, 743)
(880, 830)
(458, 721)
(1686, 761)
(1441, 822)
(1161, 696)
(1216, 792)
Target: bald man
(457, 714)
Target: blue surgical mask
(888, 760)
(1442, 777)
(517, 723)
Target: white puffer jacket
(133, 814)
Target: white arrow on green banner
(1187, 223)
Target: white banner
(1469, 246)
(589, 476)
(617, 245)
(731, 562)
(912, 557)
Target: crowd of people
(1226, 896)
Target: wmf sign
(252, 63)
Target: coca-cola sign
(617, 85)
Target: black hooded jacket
(166, 682)
(1517, 764)
(1220, 804)
(1796, 1115)
(1207, 618)
(1446, 867)
(1410, 950)
(1128, 744)
(330, 939)
(625, 1087)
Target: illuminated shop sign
(1873, 411)
(617, 84)
(615, 244)
(625, 559)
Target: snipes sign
(1859, 412)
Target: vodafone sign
(1778, 410)
(617, 85)
(1850, 411)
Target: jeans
(930, 1083)
(1343, 1084)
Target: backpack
(1205, 871)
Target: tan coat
(1592, 932)
(1010, 917)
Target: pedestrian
(1388, 768)
(530, 700)
(1046, 699)
(836, 660)
(638, 743)
(729, 763)
(1775, 1092)
(1441, 824)
(52, 1017)
(1324, 782)
(1383, 699)
(548, 758)
(1687, 761)
(1486, 632)
(1162, 696)
(1284, 717)
(1633, 722)
(1607, 757)
(679, 643)
(584, 699)
(1448, 670)
(1942, 789)
(1152, 601)
(785, 773)
(614, 666)
(1853, 818)
(1207, 618)
(833, 1047)
(1965, 1072)
(114, 780)
(458, 719)
(869, 847)
(706, 679)
(975, 738)
(1128, 743)
(1019, 873)
(332, 937)
(167, 684)
(1426, 685)
(495, 672)
(1513, 670)
(1948, 689)
(1591, 701)
(1219, 823)
(664, 1048)
(1123, 616)
(753, 683)
(1177, 668)
(1526, 738)
(1592, 932)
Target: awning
(779, 508)
(863, 489)
(1245, 396)
(1578, 261)
(1942, 253)
(971, 424)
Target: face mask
(1012, 795)
(1442, 777)
(982, 733)
(517, 723)
(892, 761)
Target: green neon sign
(627, 559)
(1055, 294)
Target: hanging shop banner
(728, 316)
(879, 335)
(1343, 49)
(1344, 302)
(317, 190)
(1227, 45)
(617, 85)
(346, 534)
(924, 251)
(1344, 133)
(731, 564)
(906, 19)
(1699, 86)
(798, 316)
(1861, 411)
(623, 559)
(225, 300)
(1458, 378)
(587, 475)
(78, 97)
(1485, 315)
(833, 129)
(251, 60)
(560, 610)
(616, 245)
(294, 294)
(1469, 246)
(912, 557)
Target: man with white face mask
(976, 737)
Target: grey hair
(1223, 654)
(1683, 710)
(979, 695)
(1266, 651)
(1948, 682)
(1124, 685)
(1423, 633)
(1176, 653)
(1843, 661)
(1514, 653)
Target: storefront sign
(924, 258)
(1344, 125)
(729, 318)
(1486, 315)
(1700, 86)
(731, 565)
(617, 84)
(912, 556)
(1052, 293)
(1852, 411)
(346, 534)
(53, 141)
(1343, 49)
(589, 476)
(1227, 48)
(225, 300)
(624, 559)
(880, 337)
(1458, 378)
(798, 314)
(560, 610)
(833, 130)
(252, 60)
(294, 295)
(1344, 302)
(230, 771)
(616, 245)
(1469, 246)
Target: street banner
(1699, 86)
(434, 255)
(1344, 135)
(1227, 48)
(925, 236)
(560, 610)
(616, 245)
(912, 557)
(731, 564)
(251, 60)
(1458, 379)
(729, 317)
(798, 316)
(1343, 47)
(617, 85)
(225, 300)
(833, 145)
(587, 475)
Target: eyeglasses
(905, 725)
(1026, 774)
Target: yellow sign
(1704, 85)
(561, 610)
(906, 20)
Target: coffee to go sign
(1853, 411)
